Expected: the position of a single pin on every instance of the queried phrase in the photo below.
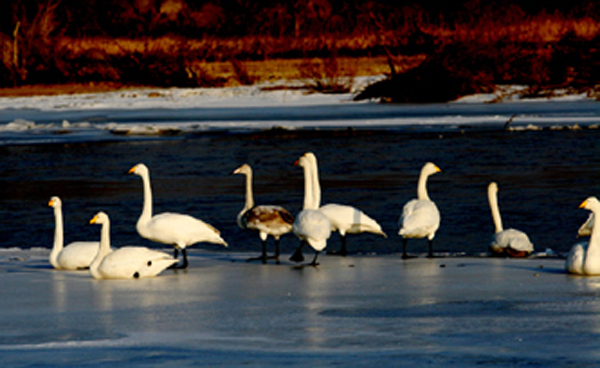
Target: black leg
(430, 255)
(298, 256)
(185, 261)
(175, 252)
(404, 255)
(263, 256)
(343, 250)
(276, 256)
(314, 261)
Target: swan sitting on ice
(509, 242)
(343, 218)
(76, 255)
(311, 226)
(584, 257)
(175, 229)
(265, 219)
(420, 217)
(126, 262)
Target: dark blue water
(542, 175)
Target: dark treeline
(471, 46)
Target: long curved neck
(308, 189)
(316, 185)
(422, 187)
(249, 194)
(493, 199)
(58, 237)
(147, 209)
(103, 250)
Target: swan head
(55, 202)
(590, 204)
(430, 168)
(100, 218)
(244, 169)
(306, 159)
(493, 187)
(139, 169)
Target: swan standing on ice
(75, 256)
(343, 218)
(126, 262)
(511, 242)
(265, 219)
(584, 257)
(176, 229)
(311, 225)
(420, 217)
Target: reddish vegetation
(433, 51)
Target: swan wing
(313, 227)
(347, 219)
(420, 218)
(513, 239)
(269, 219)
(586, 228)
(181, 230)
(575, 258)
(77, 255)
(134, 262)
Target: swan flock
(313, 226)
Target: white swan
(343, 218)
(514, 243)
(311, 225)
(584, 257)
(265, 219)
(420, 217)
(126, 262)
(76, 255)
(176, 229)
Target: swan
(126, 262)
(265, 219)
(311, 226)
(584, 257)
(343, 218)
(512, 242)
(74, 256)
(420, 217)
(176, 229)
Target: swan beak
(583, 204)
(236, 171)
(51, 203)
(132, 170)
(93, 220)
(296, 162)
(437, 169)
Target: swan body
(76, 255)
(265, 219)
(514, 243)
(343, 218)
(176, 229)
(311, 226)
(584, 257)
(127, 262)
(420, 217)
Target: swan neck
(316, 186)
(103, 250)
(422, 187)
(493, 199)
(308, 189)
(147, 209)
(595, 235)
(249, 193)
(58, 237)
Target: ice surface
(356, 311)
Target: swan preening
(76, 255)
(264, 219)
(311, 226)
(584, 257)
(420, 217)
(126, 262)
(175, 229)
(511, 242)
(343, 218)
